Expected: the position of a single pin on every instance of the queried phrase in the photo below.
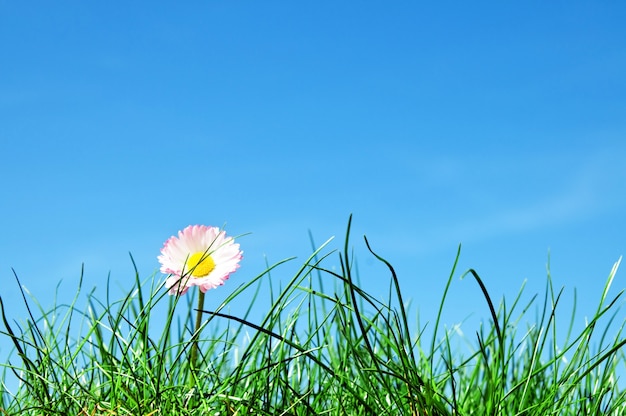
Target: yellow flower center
(200, 264)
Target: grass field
(324, 347)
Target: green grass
(324, 347)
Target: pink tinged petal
(176, 286)
(193, 239)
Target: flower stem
(194, 345)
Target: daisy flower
(200, 256)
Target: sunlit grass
(324, 347)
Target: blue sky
(498, 126)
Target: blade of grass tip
(315, 259)
(440, 311)
(71, 308)
(14, 338)
(138, 283)
(96, 330)
(40, 335)
(570, 328)
(492, 310)
(67, 319)
(346, 268)
(44, 353)
(589, 330)
(496, 324)
(113, 325)
(313, 312)
(608, 326)
(365, 329)
(30, 313)
(609, 281)
(357, 313)
(507, 315)
(551, 322)
(396, 284)
(49, 368)
(143, 318)
(346, 249)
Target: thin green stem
(196, 333)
